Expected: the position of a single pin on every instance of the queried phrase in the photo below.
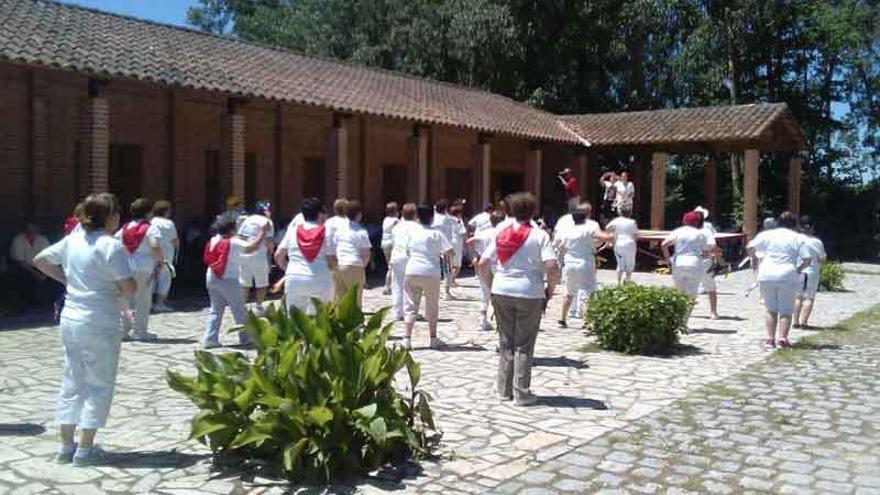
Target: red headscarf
(310, 241)
(692, 219)
(510, 239)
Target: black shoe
(563, 324)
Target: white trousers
(91, 358)
(626, 257)
(398, 290)
(299, 291)
(140, 303)
(485, 294)
(687, 278)
(163, 282)
(224, 292)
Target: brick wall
(450, 148)
(14, 160)
(386, 142)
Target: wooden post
(638, 180)
(338, 158)
(710, 184)
(583, 175)
(658, 190)
(422, 163)
(750, 193)
(484, 152)
(534, 157)
(794, 184)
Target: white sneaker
(145, 337)
(64, 455)
(436, 343)
(485, 325)
(162, 308)
(91, 456)
(407, 343)
(526, 399)
(211, 345)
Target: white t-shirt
(483, 238)
(578, 243)
(93, 262)
(447, 224)
(817, 254)
(142, 259)
(424, 247)
(480, 221)
(458, 232)
(351, 239)
(399, 237)
(167, 236)
(334, 223)
(564, 223)
(782, 251)
(523, 274)
(250, 230)
(236, 255)
(624, 193)
(624, 230)
(297, 264)
(609, 189)
(23, 251)
(689, 246)
(388, 224)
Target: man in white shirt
(606, 208)
(624, 193)
(809, 284)
(352, 253)
(446, 224)
(624, 230)
(33, 284)
(254, 268)
(170, 244)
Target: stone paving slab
(585, 396)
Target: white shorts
(687, 278)
(254, 272)
(579, 278)
(779, 297)
(708, 282)
(626, 257)
(299, 291)
(808, 286)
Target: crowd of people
(115, 276)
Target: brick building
(95, 101)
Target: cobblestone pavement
(587, 400)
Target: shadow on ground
(21, 430)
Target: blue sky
(165, 11)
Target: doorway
(126, 173)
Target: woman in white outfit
(459, 232)
(95, 269)
(577, 246)
(708, 284)
(254, 269)
(223, 256)
(307, 254)
(624, 230)
(399, 238)
(142, 241)
(690, 248)
(425, 247)
(170, 245)
(479, 242)
(783, 256)
(809, 284)
(392, 218)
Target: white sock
(67, 449)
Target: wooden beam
(750, 192)
(658, 190)
(794, 184)
(710, 184)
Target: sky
(164, 11)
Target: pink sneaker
(784, 343)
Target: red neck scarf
(70, 223)
(133, 234)
(310, 241)
(510, 239)
(217, 257)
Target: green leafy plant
(637, 319)
(831, 277)
(317, 401)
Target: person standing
(392, 218)
(522, 257)
(142, 241)
(608, 181)
(479, 242)
(690, 248)
(30, 281)
(708, 284)
(783, 254)
(307, 255)
(332, 224)
(223, 256)
(481, 221)
(446, 225)
(624, 230)
(399, 239)
(570, 185)
(254, 268)
(624, 193)
(352, 253)
(577, 246)
(94, 267)
(425, 248)
(566, 223)
(170, 244)
(459, 231)
(809, 285)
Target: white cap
(702, 211)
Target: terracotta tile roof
(45, 33)
(768, 127)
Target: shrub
(831, 277)
(635, 319)
(317, 401)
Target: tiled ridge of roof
(70, 37)
(760, 122)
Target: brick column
(94, 139)
(337, 159)
(794, 184)
(484, 171)
(710, 184)
(419, 164)
(40, 181)
(236, 127)
(658, 190)
(750, 192)
(534, 158)
(582, 172)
